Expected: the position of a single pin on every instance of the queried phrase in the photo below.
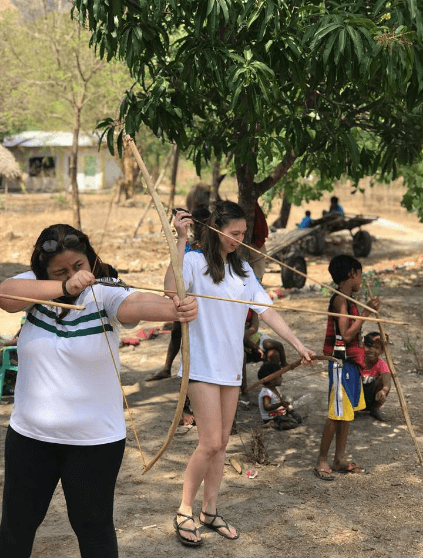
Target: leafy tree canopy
(336, 87)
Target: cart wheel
(362, 244)
(290, 278)
(316, 243)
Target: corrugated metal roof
(48, 139)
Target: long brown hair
(223, 214)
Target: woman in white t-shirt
(216, 355)
(67, 422)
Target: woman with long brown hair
(216, 355)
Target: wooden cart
(289, 246)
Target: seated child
(274, 408)
(259, 346)
(306, 221)
(375, 376)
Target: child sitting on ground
(375, 376)
(275, 410)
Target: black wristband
(64, 289)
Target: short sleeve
(113, 297)
(188, 270)
(383, 367)
(25, 275)
(256, 292)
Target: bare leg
(229, 396)
(244, 397)
(322, 465)
(339, 460)
(172, 351)
(213, 415)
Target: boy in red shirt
(375, 376)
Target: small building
(45, 157)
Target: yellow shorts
(346, 393)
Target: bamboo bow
(177, 270)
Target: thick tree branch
(272, 179)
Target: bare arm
(254, 325)
(41, 289)
(349, 332)
(279, 326)
(269, 406)
(154, 308)
(181, 224)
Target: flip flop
(179, 527)
(218, 527)
(352, 469)
(318, 473)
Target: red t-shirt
(370, 375)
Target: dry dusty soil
(285, 510)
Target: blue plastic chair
(9, 358)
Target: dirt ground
(285, 510)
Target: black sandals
(218, 527)
(179, 528)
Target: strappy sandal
(179, 527)
(218, 527)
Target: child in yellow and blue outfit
(345, 387)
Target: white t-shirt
(273, 399)
(67, 390)
(216, 336)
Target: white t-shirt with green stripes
(67, 390)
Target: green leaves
(339, 84)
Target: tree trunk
(282, 220)
(216, 180)
(173, 180)
(74, 170)
(128, 173)
(247, 197)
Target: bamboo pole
(403, 402)
(46, 302)
(276, 306)
(288, 368)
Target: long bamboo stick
(403, 402)
(45, 302)
(288, 368)
(156, 185)
(282, 264)
(276, 306)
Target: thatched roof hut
(9, 168)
